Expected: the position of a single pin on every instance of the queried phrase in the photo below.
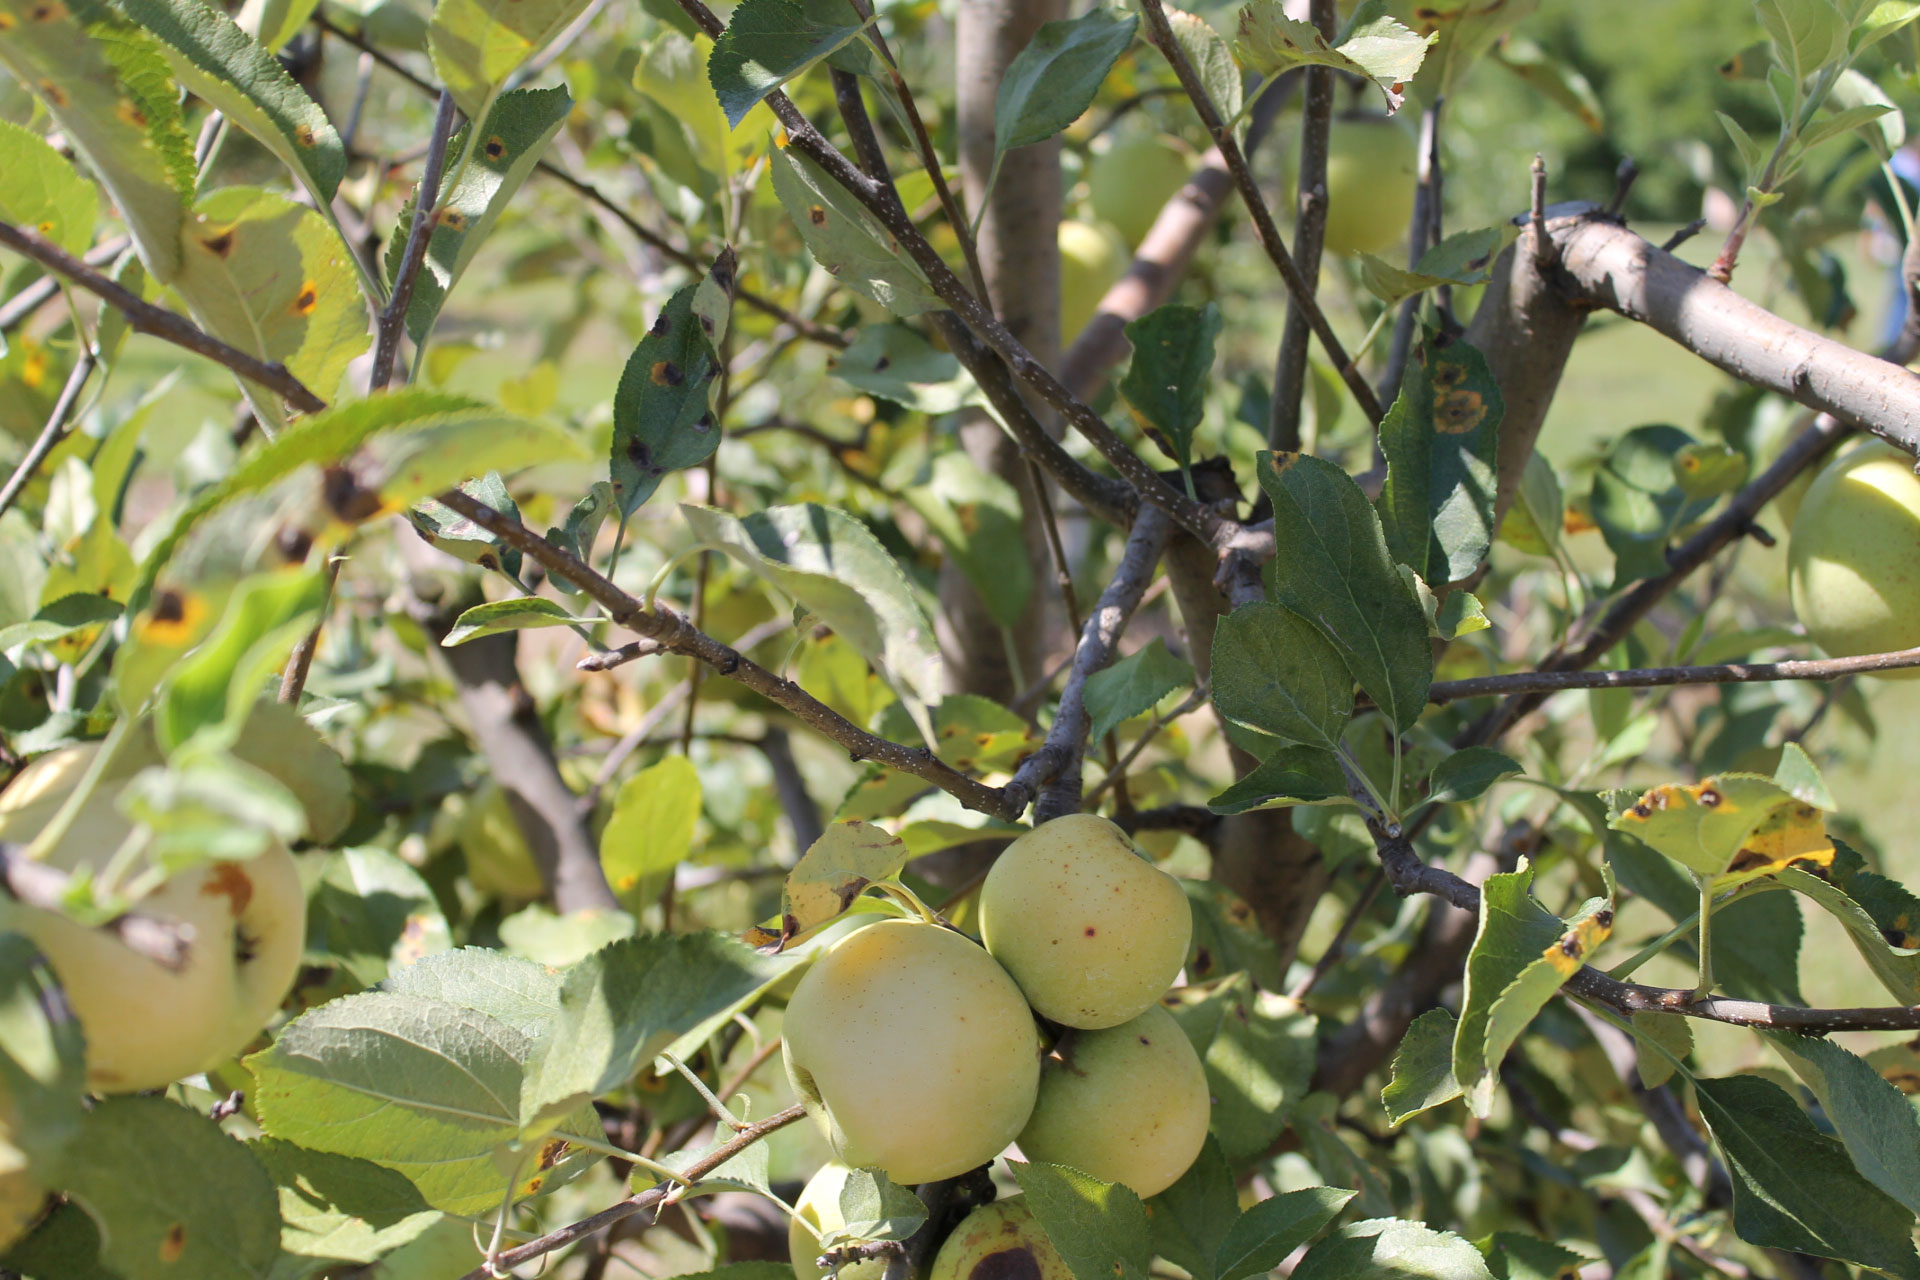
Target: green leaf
(1166, 383)
(270, 277)
(766, 44)
(1884, 947)
(518, 128)
(1053, 80)
(875, 1207)
(831, 565)
(1536, 983)
(63, 617)
(1133, 686)
(1381, 49)
(1709, 469)
(1211, 60)
(521, 993)
(1258, 1050)
(1422, 1075)
(1467, 773)
(1190, 1219)
(895, 363)
(372, 914)
(1800, 778)
(1467, 30)
(65, 1244)
(423, 1087)
(623, 1004)
(1794, 1187)
(834, 871)
(1099, 1228)
(1666, 1031)
(220, 63)
(523, 613)
(1464, 258)
(692, 143)
(651, 829)
(1273, 1228)
(1441, 437)
(1514, 932)
(42, 1059)
(277, 740)
(1512, 1256)
(1392, 1249)
(1535, 521)
(662, 415)
(1274, 671)
(125, 1168)
(477, 45)
(1291, 775)
(582, 527)
(1335, 571)
(854, 249)
(1227, 938)
(274, 22)
(978, 516)
(1805, 33)
(1553, 77)
(460, 537)
(336, 1210)
(1638, 503)
(1875, 1120)
(44, 192)
(106, 85)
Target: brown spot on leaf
(453, 219)
(817, 215)
(173, 1243)
(53, 93)
(495, 148)
(346, 497)
(304, 135)
(1089, 931)
(666, 373)
(307, 299)
(1709, 798)
(1457, 412)
(293, 543)
(169, 607)
(550, 1152)
(219, 244)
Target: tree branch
(1309, 230)
(1161, 36)
(575, 1232)
(1653, 677)
(426, 216)
(59, 425)
(143, 317)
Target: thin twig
(1654, 677)
(426, 217)
(574, 1232)
(1309, 231)
(15, 310)
(1193, 702)
(59, 425)
(1161, 36)
(143, 317)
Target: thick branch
(1654, 677)
(575, 1232)
(143, 317)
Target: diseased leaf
(834, 871)
(217, 61)
(1794, 1187)
(766, 44)
(1053, 80)
(1540, 979)
(1422, 1076)
(1639, 504)
(477, 45)
(1441, 437)
(1133, 686)
(1381, 49)
(1514, 932)
(1166, 383)
(1275, 672)
(662, 416)
(895, 363)
(515, 136)
(1336, 573)
(1211, 59)
(44, 192)
(855, 250)
(1733, 826)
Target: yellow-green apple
(147, 1025)
(1093, 257)
(913, 1050)
(499, 860)
(1000, 1241)
(1092, 931)
(22, 1197)
(1133, 178)
(817, 1212)
(1853, 563)
(1372, 170)
(1128, 1104)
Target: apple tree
(958, 638)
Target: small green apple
(817, 1212)
(1128, 1104)
(913, 1050)
(146, 1025)
(1092, 931)
(1372, 171)
(1853, 560)
(1093, 257)
(1000, 1241)
(499, 860)
(1131, 180)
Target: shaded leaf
(853, 248)
(1441, 437)
(1467, 773)
(1053, 80)
(1464, 258)
(453, 533)
(1133, 686)
(477, 45)
(1190, 1219)
(1166, 382)
(1291, 775)
(978, 515)
(1875, 1121)
(1273, 1228)
(1099, 1228)
(1392, 1249)
(766, 44)
(662, 412)
(1274, 671)
(1211, 60)
(895, 363)
(1422, 1075)
(335, 1209)
(44, 192)
(373, 914)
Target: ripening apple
(499, 860)
(1093, 257)
(1128, 1104)
(913, 1050)
(1000, 1241)
(145, 1025)
(1372, 171)
(1130, 181)
(1092, 931)
(817, 1212)
(1853, 563)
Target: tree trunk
(1021, 261)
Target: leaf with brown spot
(661, 414)
(834, 871)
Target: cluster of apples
(918, 1051)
